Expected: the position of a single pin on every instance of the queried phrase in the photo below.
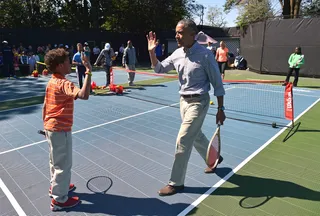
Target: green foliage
(311, 9)
(230, 4)
(253, 11)
(112, 15)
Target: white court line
(11, 198)
(236, 169)
(89, 128)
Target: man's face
(184, 36)
(79, 47)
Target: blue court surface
(13, 89)
(132, 142)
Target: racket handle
(41, 132)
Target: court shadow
(120, 205)
(11, 113)
(252, 186)
(246, 186)
(292, 131)
(21, 88)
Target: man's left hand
(220, 117)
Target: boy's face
(64, 68)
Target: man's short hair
(55, 57)
(188, 23)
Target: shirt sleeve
(213, 72)
(74, 57)
(290, 60)
(165, 66)
(69, 89)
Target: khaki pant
(131, 75)
(60, 156)
(193, 112)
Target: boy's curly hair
(55, 57)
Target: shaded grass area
(21, 103)
(100, 92)
(283, 179)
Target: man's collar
(192, 49)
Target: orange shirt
(59, 103)
(222, 54)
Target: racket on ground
(99, 184)
(213, 150)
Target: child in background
(296, 60)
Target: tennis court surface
(131, 139)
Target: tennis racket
(299, 60)
(99, 184)
(213, 150)
(42, 132)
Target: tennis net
(257, 101)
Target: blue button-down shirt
(196, 67)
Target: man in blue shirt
(80, 69)
(197, 69)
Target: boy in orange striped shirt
(58, 120)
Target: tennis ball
(211, 103)
(274, 125)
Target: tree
(114, 15)
(253, 11)
(290, 8)
(311, 9)
(216, 17)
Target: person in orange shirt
(222, 57)
(58, 120)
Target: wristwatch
(221, 108)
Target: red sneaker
(71, 187)
(71, 202)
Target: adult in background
(159, 52)
(129, 61)
(295, 62)
(108, 54)
(58, 110)
(120, 55)
(197, 69)
(80, 68)
(7, 58)
(96, 51)
(222, 57)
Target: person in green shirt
(296, 60)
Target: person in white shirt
(96, 52)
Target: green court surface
(282, 180)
